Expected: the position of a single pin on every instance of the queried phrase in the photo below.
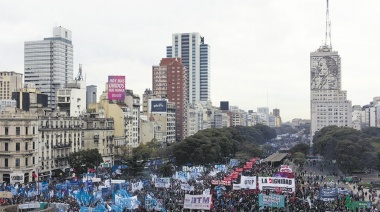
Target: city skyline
(260, 50)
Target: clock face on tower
(325, 73)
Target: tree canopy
(212, 145)
(84, 160)
(301, 147)
(352, 150)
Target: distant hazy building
(91, 94)
(357, 114)
(163, 114)
(298, 122)
(276, 114)
(29, 97)
(148, 94)
(10, 81)
(195, 55)
(48, 63)
(224, 105)
(170, 81)
(368, 115)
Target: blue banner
(272, 200)
(328, 194)
(44, 186)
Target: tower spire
(328, 26)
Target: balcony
(9, 137)
(61, 146)
(5, 169)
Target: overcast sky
(260, 49)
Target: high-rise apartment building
(10, 81)
(329, 104)
(48, 63)
(195, 56)
(169, 81)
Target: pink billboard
(116, 88)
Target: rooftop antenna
(79, 76)
(328, 25)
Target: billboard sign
(158, 106)
(116, 88)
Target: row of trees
(352, 150)
(215, 145)
(206, 146)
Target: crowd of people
(305, 198)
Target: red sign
(235, 175)
(221, 182)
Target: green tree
(353, 150)
(135, 168)
(299, 158)
(371, 131)
(301, 147)
(285, 129)
(84, 160)
(142, 152)
(166, 170)
(268, 132)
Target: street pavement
(333, 174)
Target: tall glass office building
(48, 63)
(195, 56)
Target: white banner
(198, 169)
(200, 202)
(187, 187)
(273, 183)
(137, 186)
(17, 178)
(162, 182)
(246, 182)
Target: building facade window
(6, 162)
(17, 130)
(26, 130)
(17, 147)
(6, 131)
(6, 147)
(17, 162)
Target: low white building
(72, 98)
